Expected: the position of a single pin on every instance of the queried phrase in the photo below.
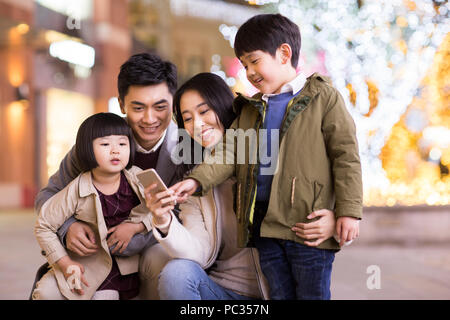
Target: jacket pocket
(317, 203)
(297, 196)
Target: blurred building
(60, 60)
(60, 64)
(187, 31)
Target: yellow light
(401, 22)
(391, 202)
(15, 115)
(15, 58)
(23, 28)
(55, 36)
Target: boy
(319, 166)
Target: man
(146, 86)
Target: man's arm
(137, 244)
(69, 169)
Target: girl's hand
(160, 204)
(73, 273)
(319, 230)
(121, 235)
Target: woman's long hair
(217, 95)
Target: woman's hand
(160, 204)
(319, 230)
(73, 273)
(121, 235)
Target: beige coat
(81, 200)
(200, 238)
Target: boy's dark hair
(145, 69)
(96, 126)
(217, 95)
(267, 32)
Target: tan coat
(201, 238)
(80, 199)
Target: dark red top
(146, 160)
(116, 209)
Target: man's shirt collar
(141, 149)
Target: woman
(207, 264)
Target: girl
(106, 196)
(207, 263)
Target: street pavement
(360, 272)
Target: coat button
(43, 253)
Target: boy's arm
(209, 173)
(69, 169)
(342, 148)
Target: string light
(377, 53)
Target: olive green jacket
(318, 162)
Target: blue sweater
(275, 110)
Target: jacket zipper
(238, 209)
(252, 203)
(258, 276)
(216, 247)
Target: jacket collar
(85, 185)
(310, 89)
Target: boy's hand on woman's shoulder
(185, 188)
(347, 229)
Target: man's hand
(347, 228)
(184, 189)
(121, 235)
(80, 239)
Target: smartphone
(150, 176)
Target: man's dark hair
(267, 32)
(145, 69)
(97, 126)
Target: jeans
(183, 279)
(295, 271)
